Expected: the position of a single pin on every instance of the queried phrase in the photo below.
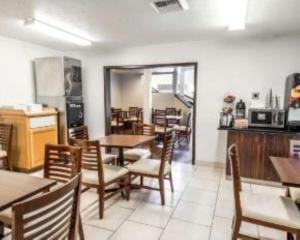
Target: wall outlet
(255, 95)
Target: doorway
(152, 90)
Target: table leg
(1, 230)
(121, 157)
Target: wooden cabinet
(31, 131)
(255, 147)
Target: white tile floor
(200, 208)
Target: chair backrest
(61, 162)
(53, 215)
(81, 132)
(133, 111)
(159, 117)
(171, 111)
(188, 122)
(167, 152)
(91, 156)
(5, 139)
(159, 112)
(5, 136)
(236, 176)
(143, 129)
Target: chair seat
(6, 216)
(181, 128)
(148, 167)
(295, 194)
(161, 130)
(136, 154)
(277, 210)
(116, 124)
(111, 173)
(3, 153)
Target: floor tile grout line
(171, 216)
(214, 213)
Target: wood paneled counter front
(31, 131)
(255, 146)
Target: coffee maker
(292, 101)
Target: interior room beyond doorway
(162, 95)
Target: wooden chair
(184, 131)
(154, 168)
(117, 123)
(82, 132)
(171, 111)
(53, 215)
(61, 163)
(135, 154)
(97, 175)
(133, 113)
(270, 211)
(5, 145)
(159, 118)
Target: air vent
(166, 6)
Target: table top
(288, 170)
(16, 187)
(124, 141)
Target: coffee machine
(292, 101)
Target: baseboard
(211, 164)
(258, 182)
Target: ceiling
(122, 23)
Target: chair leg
(80, 228)
(236, 224)
(171, 182)
(101, 202)
(162, 190)
(127, 184)
(289, 236)
(142, 181)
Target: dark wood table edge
(284, 183)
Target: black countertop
(262, 130)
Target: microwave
(269, 118)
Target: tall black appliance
(59, 85)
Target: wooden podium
(31, 131)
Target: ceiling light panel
(56, 32)
(236, 11)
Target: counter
(255, 146)
(31, 131)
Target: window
(188, 85)
(163, 82)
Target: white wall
(132, 91)
(126, 90)
(240, 67)
(16, 70)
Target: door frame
(107, 93)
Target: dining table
(122, 141)
(16, 187)
(288, 170)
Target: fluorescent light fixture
(56, 32)
(184, 4)
(236, 14)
